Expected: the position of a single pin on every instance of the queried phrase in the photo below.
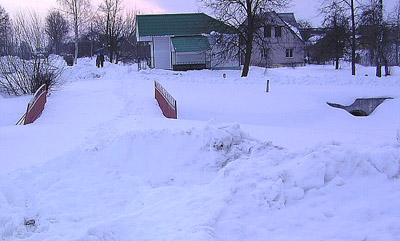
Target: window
(289, 53)
(278, 32)
(267, 31)
(264, 53)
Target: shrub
(19, 76)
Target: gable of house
(281, 43)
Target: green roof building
(183, 41)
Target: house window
(267, 31)
(264, 53)
(278, 32)
(289, 53)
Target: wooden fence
(35, 107)
(166, 102)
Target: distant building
(279, 42)
(184, 41)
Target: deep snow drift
(102, 163)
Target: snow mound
(213, 183)
(249, 196)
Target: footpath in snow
(102, 163)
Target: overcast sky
(303, 9)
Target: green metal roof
(190, 44)
(179, 24)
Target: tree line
(30, 43)
(350, 29)
(75, 28)
(355, 30)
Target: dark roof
(190, 44)
(180, 24)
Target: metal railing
(35, 107)
(167, 103)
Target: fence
(166, 102)
(35, 107)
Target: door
(162, 53)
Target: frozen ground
(102, 163)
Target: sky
(303, 9)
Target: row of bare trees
(23, 65)
(106, 27)
(28, 40)
(363, 27)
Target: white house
(280, 42)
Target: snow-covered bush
(27, 65)
(19, 76)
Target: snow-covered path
(102, 163)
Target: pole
(91, 42)
(353, 39)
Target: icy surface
(103, 164)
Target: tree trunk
(379, 71)
(378, 64)
(247, 58)
(76, 42)
(379, 46)
(353, 40)
(337, 63)
(397, 55)
(249, 40)
(386, 64)
(111, 54)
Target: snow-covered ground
(102, 163)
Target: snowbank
(215, 183)
(102, 163)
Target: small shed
(183, 41)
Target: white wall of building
(162, 52)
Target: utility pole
(91, 41)
(353, 39)
(379, 50)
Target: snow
(102, 163)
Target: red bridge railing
(166, 102)
(35, 106)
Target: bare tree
(32, 67)
(77, 10)
(395, 19)
(5, 32)
(375, 34)
(126, 26)
(111, 18)
(116, 27)
(243, 15)
(336, 23)
(56, 29)
(29, 30)
(350, 7)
